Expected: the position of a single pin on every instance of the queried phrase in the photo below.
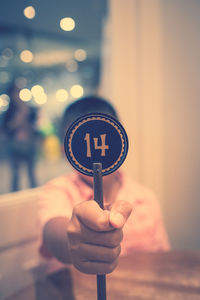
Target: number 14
(102, 147)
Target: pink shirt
(144, 229)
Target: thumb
(119, 213)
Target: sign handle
(98, 197)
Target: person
(19, 125)
(76, 230)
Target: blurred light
(37, 90)
(76, 91)
(29, 12)
(4, 77)
(72, 65)
(39, 95)
(26, 56)
(3, 108)
(80, 54)
(7, 53)
(61, 95)
(41, 99)
(3, 62)
(4, 102)
(25, 95)
(5, 98)
(67, 24)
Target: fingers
(78, 233)
(97, 260)
(92, 216)
(99, 254)
(109, 239)
(119, 214)
(93, 252)
(95, 235)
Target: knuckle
(116, 238)
(86, 267)
(125, 208)
(110, 267)
(76, 256)
(113, 253)
(124, 204)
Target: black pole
(98, 197)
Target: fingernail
(117, 219)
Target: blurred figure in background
(19, 125)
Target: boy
(76, 230)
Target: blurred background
(143, 56)
(50, 52)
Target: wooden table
(141, 276)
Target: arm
(56, 240)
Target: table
(141, 276)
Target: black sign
(96, 138)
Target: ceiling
(51, 46)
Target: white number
(103, 147)
(87, 139)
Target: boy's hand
(94, 236)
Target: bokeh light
(26, 56)
(67, 24)
(72, 65)
(62, 95)
(76, 91)
(39, 94)
(29, 12)
(4, 102)
(25, 95)
(41, 99)
(6, 98)
(80, 54)
(37, 90)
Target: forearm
(55, 238)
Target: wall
(181, 54)
(152, 74)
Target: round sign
(96, 138)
